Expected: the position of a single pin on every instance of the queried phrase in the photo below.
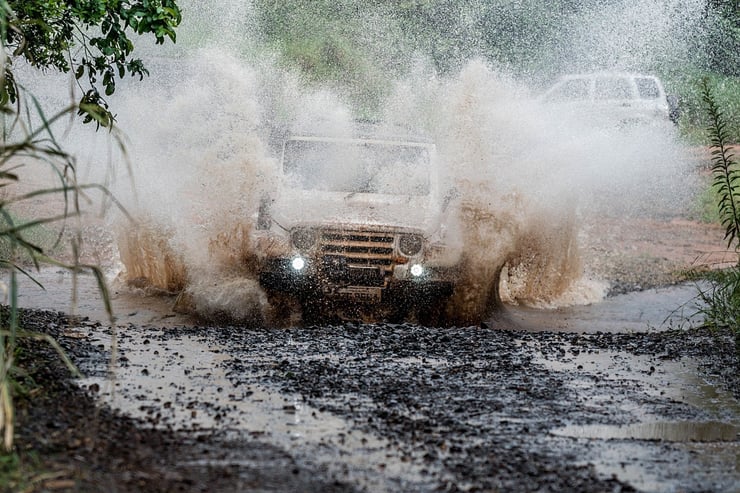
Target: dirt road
(399, 407)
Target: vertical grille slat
(359, 248)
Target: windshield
(570, 90)
(612, 88)
(358, 166)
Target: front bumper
(333, 280)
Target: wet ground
(408, 408)
(620, 395)
(616, 395)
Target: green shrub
(722, 299)
(725, 172)
(721, 302)
(695, 121)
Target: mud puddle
(651, 309)
(401, 407)
(80, 295)
(178, 381)
(668, 431)
(705, 447)
(485, 393)
(678, 380)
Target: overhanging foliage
(89, 38)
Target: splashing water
(204, 131)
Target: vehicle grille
(358, 249)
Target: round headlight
(303, 239)
(410, 244)
(416, 270)
(298, 263)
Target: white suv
(613, 98)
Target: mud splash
(526, 177)
(518, 215)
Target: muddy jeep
(357, 228)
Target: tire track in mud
(411, 408)
(479, 407)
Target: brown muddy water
(645, 421)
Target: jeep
(357, 228)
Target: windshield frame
(426, 182)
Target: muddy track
(373, 408)
(67, 441)
(386, 407)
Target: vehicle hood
(298, 207)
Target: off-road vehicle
(613, 98)
(358, 228)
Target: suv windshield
(647, 88)
(358, 166)
(612, 88)
(571, 90)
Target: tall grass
(722, 299)
(92, 45)
(29, 139)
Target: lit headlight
(303, 239)
(410, 244)
(298, 263)
(416, 270)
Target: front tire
(476, 295)
(282, 310)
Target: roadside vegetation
(91, 42)
(725, 93)
(722, 299)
